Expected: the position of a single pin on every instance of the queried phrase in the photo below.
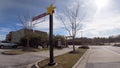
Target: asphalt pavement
(18, 61)
(101, 57)
(21, 61)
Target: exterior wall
(9, 37)
(40, 32)
(17, 35)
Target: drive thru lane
(103, 57)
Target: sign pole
(50, 11)
(51, 59)
(51, 41)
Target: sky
(99, 18)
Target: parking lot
(17, 61)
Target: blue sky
(102, 17)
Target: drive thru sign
(39, 16)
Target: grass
(13, 52)
(18, 52)
(63, 61)
(38, 49)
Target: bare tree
(72, 22)
(28, 25)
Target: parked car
(7, 44)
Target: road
(102, 57)
(21, 61)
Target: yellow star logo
(50, 9)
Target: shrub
(56, 38)
(118, 45)
(35, 40)
(84, 47)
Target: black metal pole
(51, 40)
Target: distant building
(15, 36)
(8, 37)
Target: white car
(6, 44)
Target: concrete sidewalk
(56, 52)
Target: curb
(35, 64)
(78, 62)
(29, 66)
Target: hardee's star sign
(50, 9)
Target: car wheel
(14, 47)
(2, 46)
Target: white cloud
(102, 24)
(57, 25)
(4, 30)
(2, 37)
(18, 24)
(96, 23)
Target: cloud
(57, 25)
(101, 23)
(96, 23)
(3, 32)
(2, 37)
